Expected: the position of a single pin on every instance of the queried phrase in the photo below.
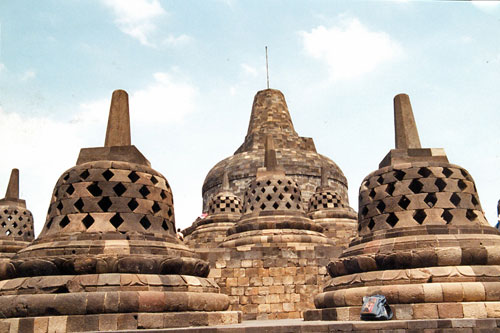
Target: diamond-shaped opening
(133, 204)
(269, 197)
(70, 190)
(289, 182)
(281, 196)
(471, 215)
(474, 200)
(19, 232)
(380, 180)
(279, 182)
(372, 193)
(257, 198)
(292, 197)
(155, 208)
(64, 222)
(359, 227)
(424, 172)
(164, 225)
(455, 199)
(461, 184)
(252, 208)
(420, 216)
(144, 191)
(381, 207)
(286, 189)
(94, 189)
(133, 176)
(364, 211)
(170, 212)
(154, 180)
(20, 218)
(441, 184)
(268, 182)
(119, 189)
(163, 194)
(108, 174)
(392, 219)
(404, 202)
(84, 175)
(371, 224)
(275, 205)
(447, 172)
(49, 224)
(288, 205)
(263, 206)
(145, 223)
(416, 186)
(79, 204)
(88, 221)
(14, 225)
(257, 184)
(447, 216)
(430, 199)
(66, 176)
(105, 203)
(116, 220)
(390, 188)
(8, 232)
(465, 174)
(295, 190)
(399, 174)
(263, 190)
(275, 189)
(15, 212)
(60, 206)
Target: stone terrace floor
(299, 326)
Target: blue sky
(192, 69)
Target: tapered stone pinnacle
(270, 161)
(13, 187)
(225, 182)
(324, 177)
(404, 123)
(118, 130)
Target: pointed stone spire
(270, 161)
(324, 177)
(225, 182)
(13, 187)
(118, 130)
(404, 123)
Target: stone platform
(299, 326)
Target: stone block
(475, 310)
(450, 310)
(425, 311)
(492, 309)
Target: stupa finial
(270, 161)
(404, 123)
(118, 130)
(225, 182)
(324, 177)
(13, 187)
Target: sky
(192, 68)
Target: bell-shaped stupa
(423, 240)
(272, 210)
(296, 154)
(224, 210)
(328, 208)
(16, 222)
(108, 257)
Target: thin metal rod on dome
(267, 70)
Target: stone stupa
(16, 222)
(224, 210)
(423, 240)
(108, 257)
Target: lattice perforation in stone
(225, 204)
(16, 222)
(266, 198)
(326, 200)
(433, 194)
(93, 198)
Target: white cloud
(249, 69)
(2, 67)
(28, 75)
(486, 6)
(177, 41)
(350, 49)
(136, 17)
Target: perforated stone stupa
(224, 210)
(16, 222)
(108, 257)
(423, 240)
(296, 154)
